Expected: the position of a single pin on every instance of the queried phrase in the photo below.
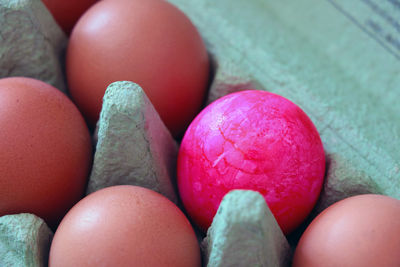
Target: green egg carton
(338, 60)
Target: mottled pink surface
(251, 140)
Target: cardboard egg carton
(324, 56)
(31, 43)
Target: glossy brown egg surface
(45, 150)
(360, 231)
(151, 43)
(125, 226)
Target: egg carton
(298, 50)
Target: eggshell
(45, 150)
(360, 231)
(67, 13)
(125, 226)
(151, 43)
(251, 140)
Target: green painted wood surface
(330, 58)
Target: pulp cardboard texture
(228, 78)
(245, 233)
(31, 43)
(24, 241)
(134, 146)
(339, 60)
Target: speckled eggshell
(125, 226)
(151, 43)
(45, 150)
(359, 231)
(251, 140)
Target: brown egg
(359, 231)
(125, 226)
(67, 13)
(45, 150)
(151, 43)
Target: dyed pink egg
(251, 140)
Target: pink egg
(251, 140)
